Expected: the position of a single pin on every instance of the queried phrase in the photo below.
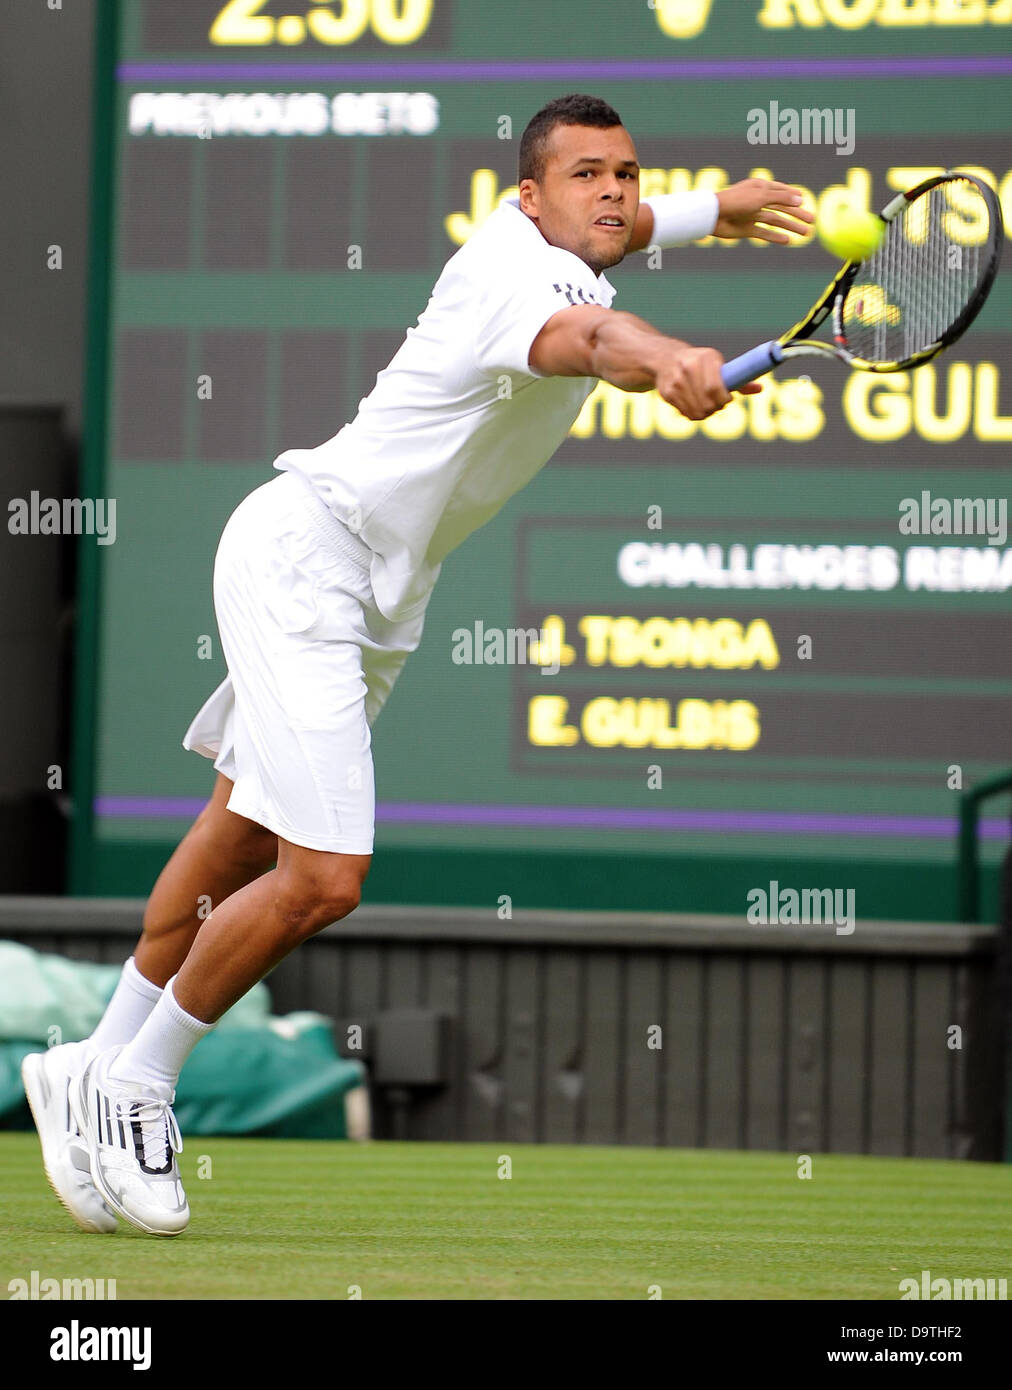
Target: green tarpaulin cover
(254, 1074)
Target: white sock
(165, 1040)
(132, 1001)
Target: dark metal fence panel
(764, 1108)
(685, 1031)
(930, 1052)
(848, 1061)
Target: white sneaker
(132, 1140)
(64, 1155)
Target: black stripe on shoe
(138, 1135)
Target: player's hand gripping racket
(915, 294)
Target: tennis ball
(850, 233)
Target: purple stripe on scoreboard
(599, 818)
(703, 69)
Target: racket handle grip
(756, 362)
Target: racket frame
(796, 342)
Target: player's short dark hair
(574, 109)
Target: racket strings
(913, 288)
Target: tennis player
(321, 581)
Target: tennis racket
(915, 294)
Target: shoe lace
(157, 1122)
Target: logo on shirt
(574, 290)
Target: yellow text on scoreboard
(720, 644)
(963, 221)
(604, 721)
(939, 403)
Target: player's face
(589, 194)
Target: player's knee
(307, 905)
(338, 899)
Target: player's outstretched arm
(588, 340)
(765, 209)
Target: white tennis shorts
(310, 661)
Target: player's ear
(529, 199)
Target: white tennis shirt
(458, 422)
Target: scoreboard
(687, 652)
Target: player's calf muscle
(213, 861)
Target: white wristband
(682, 217)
